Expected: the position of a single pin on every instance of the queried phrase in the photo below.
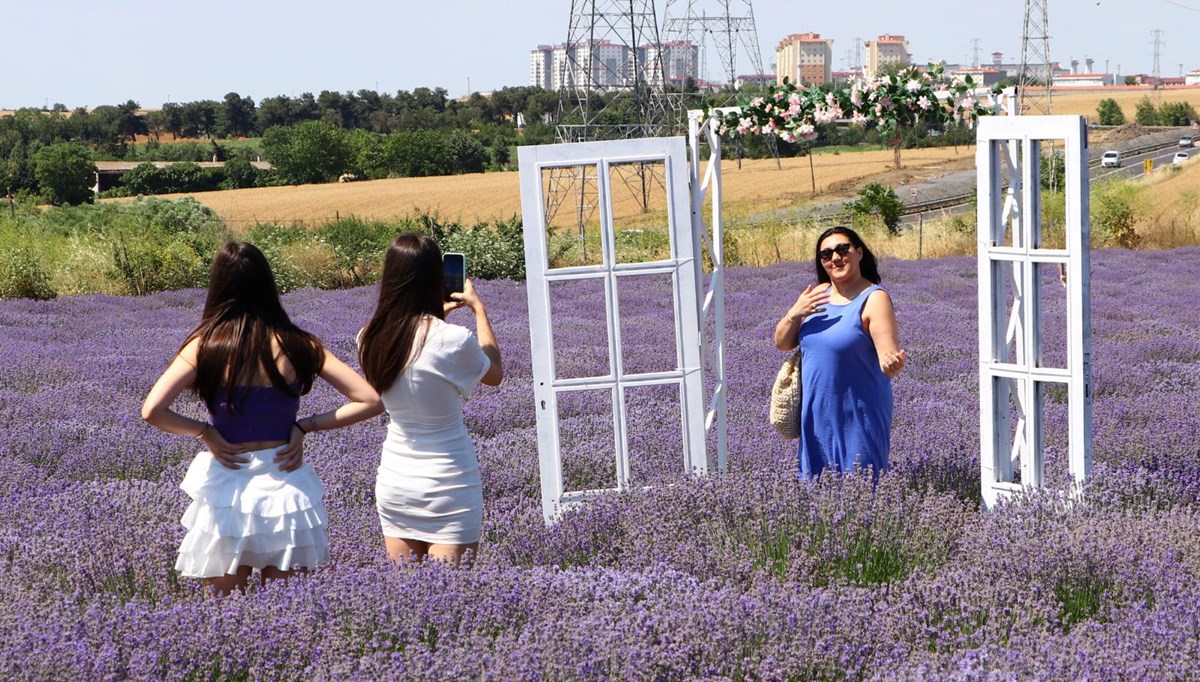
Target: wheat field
(1084, 102)
(758, 185)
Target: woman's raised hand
(466, 299)
(810, 301)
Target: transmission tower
(611, 87)
(728, 27)
(858, 61)
(1037, 72)
(975, 53)
(612, 52)
(725, 25)
(1158, 46)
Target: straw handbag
(785, 398)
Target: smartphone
(454, 271)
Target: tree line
(1146, 113)
(458, 136)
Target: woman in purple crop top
(846, 328)
(256, 505)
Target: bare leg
(226, 584)
(273, 573)
(408, 550)
(452, 554)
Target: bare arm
(363, 401)
(879, 319)
(483, 329)
(809, 302)
(156, 408)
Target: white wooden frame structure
(685, 269)
(1010, 246)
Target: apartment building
(541, 67)
(554, 67)
(886, 50)
(804, 58)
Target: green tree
(65, 173)
(313, 151)
(882, 200)
(237, 116)
(240, 173)
(1176, 114)
(1145, 113)
(1109, 113)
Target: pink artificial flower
(912, 85)
(924, 103)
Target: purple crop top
(261, 413)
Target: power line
(1181, 6)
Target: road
(1132, 167)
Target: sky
(88, 53)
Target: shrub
(358, 247)
(154, 262)
(879, 199)
(1115, 212)
(494, 250)
(22, 275)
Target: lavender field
(744, 577)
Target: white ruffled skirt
(255, 515)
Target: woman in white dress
(256, 505)
(428, 489)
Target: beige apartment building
(804, 58)
(888, 49)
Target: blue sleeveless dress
(846, 406)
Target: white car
(1180, 157)
(1187, 141)
(1110, 160)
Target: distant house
(1083, 80)
(980, 76)
(108, 173)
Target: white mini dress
(428, 486)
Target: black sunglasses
(841, 250)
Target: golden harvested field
(756, 186)
(1170, 207)
(1084, 102)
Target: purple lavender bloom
(750, 575)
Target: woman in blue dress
(845, 326)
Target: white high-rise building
(554, 67)
(541, 67)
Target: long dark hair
(868, 265)
(410, 287)
(242, 315)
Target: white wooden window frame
(682, 266)
(1009, 148)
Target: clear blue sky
(87, 53)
